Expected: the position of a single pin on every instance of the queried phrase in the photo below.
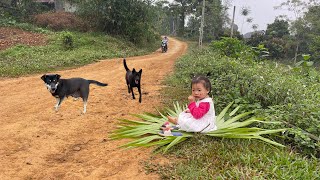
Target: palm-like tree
(245, 11)
(144, 132)
(249, 20)
(255, 27)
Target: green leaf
(236, 118)
(306, 57)
(309, 64)
(270, 141)
(174, 142)
(219, 118)
(234, 111)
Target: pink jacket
(200, 111)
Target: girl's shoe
(167, 125)
(176, 127)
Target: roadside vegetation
(76, 39)
(66, 49)
(265, 87)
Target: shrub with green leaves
(260, 52)
(314, 47)
(276, 47)
(231, 47)
(67, 40)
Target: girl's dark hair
(202, 79)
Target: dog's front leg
(139, 89)
(132, 92)
(129, 91)
(59, 101)
(84, 106)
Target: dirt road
(38, 143)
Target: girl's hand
(191, 99)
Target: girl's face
(199, 91)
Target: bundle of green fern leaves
(144, 131)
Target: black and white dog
(62, 88)
(133, 79)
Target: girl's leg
(173, 120)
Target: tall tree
(215, 18)
(163, 17)
(133, 19)
(278, 28)
(255, 27)
(311, 31)
(183, 8)
(298, 7)
(245, 11)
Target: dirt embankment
(12, 36)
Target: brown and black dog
(133, 79)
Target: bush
(276, 47)
(231, 47)
(67, 40)
(314, 47)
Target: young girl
(200, 114)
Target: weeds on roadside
(86, 48)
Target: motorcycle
(164, 46)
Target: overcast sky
(261, 11)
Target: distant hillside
(249, 34)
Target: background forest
(142, 21)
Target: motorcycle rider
(165, 40)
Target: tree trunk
(296, 53)
(181, 27)
(234, 10)
(202, 24)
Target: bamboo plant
(144, 131)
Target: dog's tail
(97, 83)
(125, 65)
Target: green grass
(212, 158)
(87, 48)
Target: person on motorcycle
(165, 41)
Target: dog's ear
(133, 70)
(140, 72)
(58, 76)
(43, 77)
